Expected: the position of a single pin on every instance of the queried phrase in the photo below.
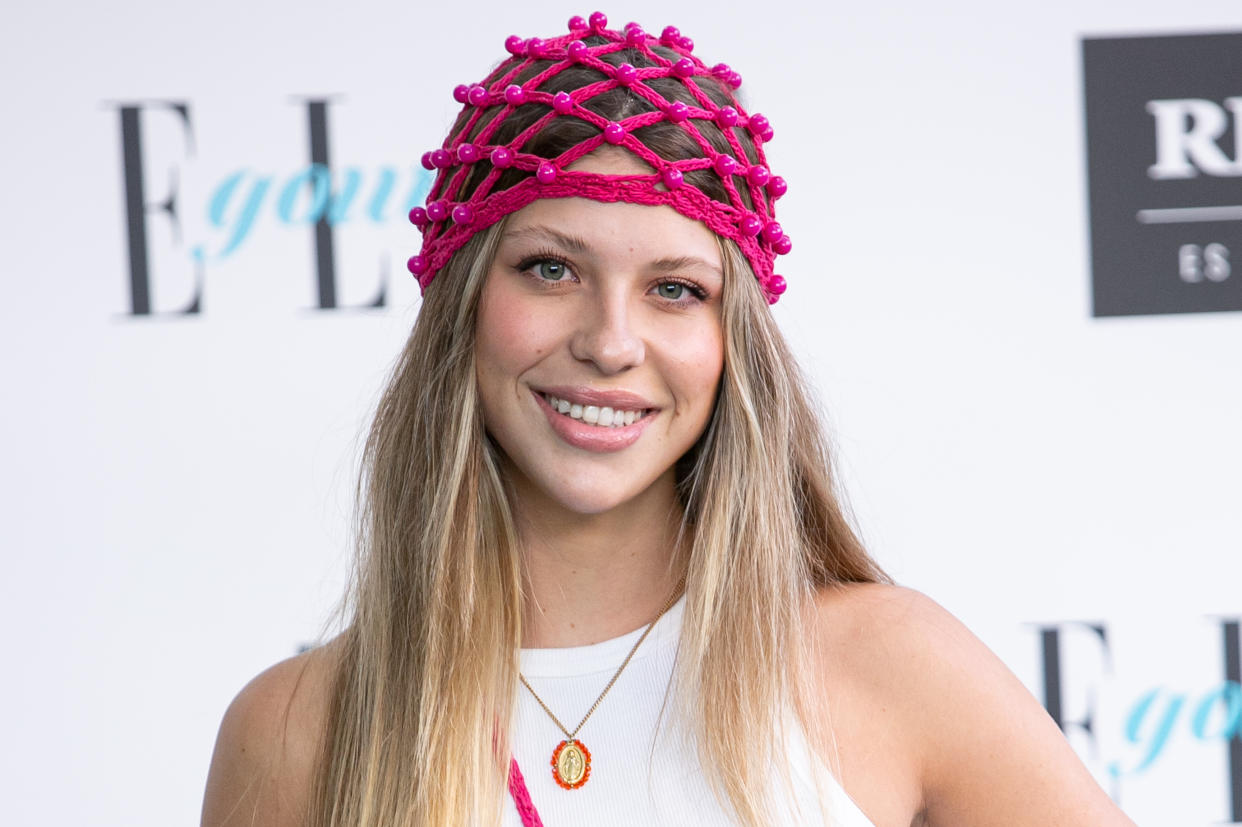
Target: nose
(606, 335)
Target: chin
(591, 493)
(590, 505)
(590, 500)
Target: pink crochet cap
(454, 213)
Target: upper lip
(578, 395)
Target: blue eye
(550, 270)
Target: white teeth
(602, 417)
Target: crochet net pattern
(476, 187)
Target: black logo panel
(1164, 167)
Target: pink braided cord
(521, 796)
(449, 221)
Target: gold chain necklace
(571, 760)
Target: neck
(598, 576)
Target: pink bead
(773, 298)
(767, 134)
(727, 116)
(501, 157)
(578, 24)
(459, 92)
(417, 265)
(598, 20)
(515, 95)
(782, 245)
(684, 67)
(562, 102)
(772, 231)
(546, 173)
(426, 161)
(534, 47)
(757, 123)
(477, 96)
(673, 179)
(467, 153)
(721, 70)
(777, 187)
(437, 211)
(418, 217)
(577, 50)
(678, 111)
(734, 80)
(669, 36)
(515, 45)
(626, 74)
(462, 214)
(758, 175)
(776, 285)
(725, 165)
(614, 133)
(630, 25)
(442, 158)
(751, 225)
(635, 36)
(685, 44)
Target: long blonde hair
(420, 711)
(421, 707)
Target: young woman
(604, 577)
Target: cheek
(514, 340)
(509, 337)
(699, 364)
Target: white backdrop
(176, 488)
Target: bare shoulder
(888, 635)
(847, 610)
(264, 760)
(928, 716)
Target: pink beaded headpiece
(454, 213)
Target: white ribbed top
(644, 769)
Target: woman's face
(599, 345)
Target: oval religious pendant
(571, 764)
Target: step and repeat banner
(1015, 287)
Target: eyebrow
(672, 265)
(540, 232)
(578, 246)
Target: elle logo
(1154, 717)
(238, 199)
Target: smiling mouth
(600, 417)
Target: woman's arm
(264, 760)
(979, 748)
